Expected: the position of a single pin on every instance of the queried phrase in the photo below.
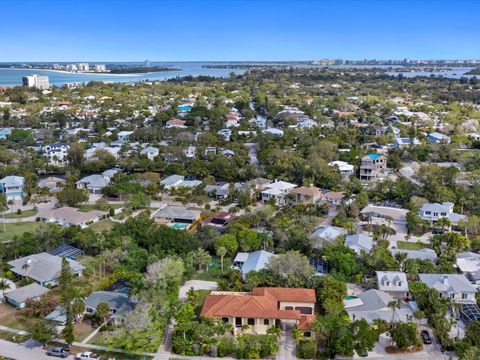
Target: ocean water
(13, 77)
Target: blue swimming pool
(179, 226)
(185, 108)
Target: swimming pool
(351, 297)
(185, 108)
(179, 226)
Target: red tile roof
(261, 303)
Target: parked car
(87, 355)
(426, 338)
(58, 352)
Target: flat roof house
(393, 283)
(43, 268)
(452, 286)
(20, 296)
(435, 211)
(398, 215)
(262, 308)
(469, 265)
(12, 187)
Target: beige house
(263, 308)
(306, 195)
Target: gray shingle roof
(24, 293)
(42, 267)
(115, 300)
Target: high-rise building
(72, 67)
(100, 68)
(147, 63)
(36, 81)
(83, 67)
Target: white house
(469, 264)
(124, 136)
(435, 211)
(359, 242)
(56, 153)
(346, 170)
(277, 191)
(393, 282)
(93, 183)
(254, 261)
(452, 286)
(438, 138)
(150, 152)
(400, 143)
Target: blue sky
(169, 30)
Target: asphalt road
(20, 352)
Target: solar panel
(66, 251)
(320, 266)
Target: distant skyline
(234, 30)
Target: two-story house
(12, 187)
(277, 191)
(452, 286)
(435, 211)
(393, 283)
(306, 195)
(261, 309)
(56, 153)
(372, 166)
(346, 170)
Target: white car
(87, 355)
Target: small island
(475, 71)
(139, 69)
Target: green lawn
(8, 336)
(24, 214)
(17, 229)
(405, 245)
(102, 225)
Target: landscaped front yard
(23, 214)
(102, 225)
(17, 229)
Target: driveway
(288, 348)
(22, 352)
(196, 285)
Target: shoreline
(91, 73)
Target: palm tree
(103, 311)
(401, 257)
(298, 335)
(4, 285)
(394, 304)
(444, 223)
(221, 251)
(202, 258)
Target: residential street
(21, 352)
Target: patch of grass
(9, 336)
(20, 320)
(405, 245)
(82, 329)
(102, 225)
(24, 214)
(17, 229)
